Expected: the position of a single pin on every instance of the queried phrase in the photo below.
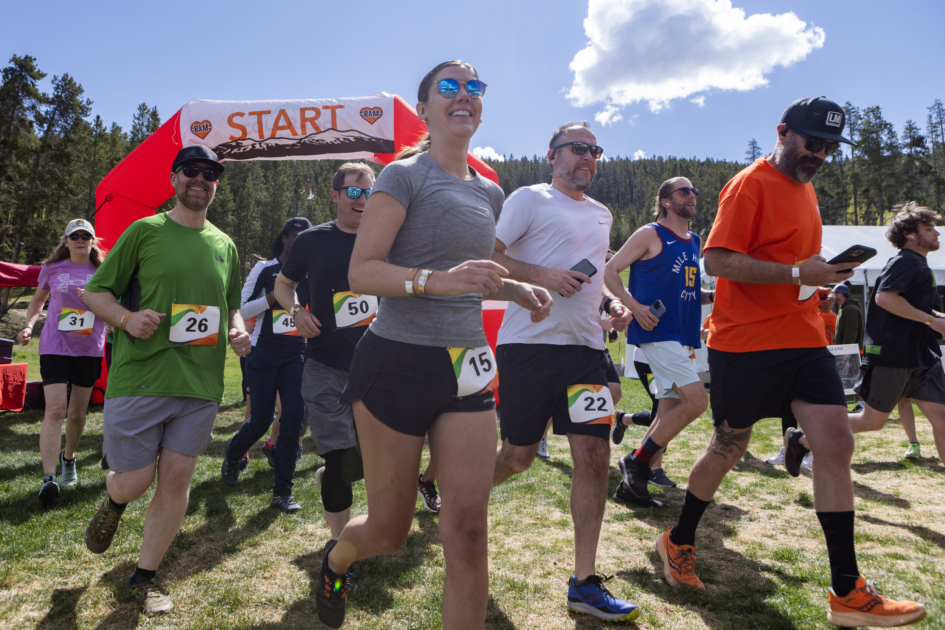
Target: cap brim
(215, 165)
(81, 229)
(834, 137)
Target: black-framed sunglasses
(354, 192)
(816, 145)
(191, 171)
(450, 88)
(580, 148)
(685, 190)
(85, 236)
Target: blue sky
(164, 54)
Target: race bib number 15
(195, 324)
(590, 404)
(72, 320)
(474, 369)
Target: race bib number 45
(353, 309)
(72, 320)
(474, 369)
(283, 324)
(195, 324)
(590, 404)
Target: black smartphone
(855, 254)
(658, 308)
(585, 267)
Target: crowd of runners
(368, 331)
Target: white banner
(331, 128)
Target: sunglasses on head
(816, 145)
(85, 236)
(580, 148)
(685, 190)
(450, 88)
(191, 171)
(354, 192)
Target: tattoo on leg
(727, 441)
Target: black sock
(142, 575)
(64, 458)
(838, 530)
(692, 510)
(49, 477)
(620, 415)
(118, 507)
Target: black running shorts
(407, 386)
(533, 387)
(749, 386)
(59, 368)
(612, 376)
(883, 387)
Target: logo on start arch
(201, 128)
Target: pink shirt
(62, 279)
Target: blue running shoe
(593, 598)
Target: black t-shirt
(265, 284)
(894, 341)
(324, 253)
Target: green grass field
(239, 564)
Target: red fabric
(13, 386)
(19, 275)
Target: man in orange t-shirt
(825, 311)
(767, 354)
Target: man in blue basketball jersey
(664, 266)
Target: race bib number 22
(590, 404)
(195, 324)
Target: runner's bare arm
(285, 295)
(239, 338)
(535, 299)
(738, 267)
(893, 302)
(564, 281)
(642, 244)
(140, 324)
(33, 311)
(370, 273)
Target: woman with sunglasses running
(424, 366)
(71, 345)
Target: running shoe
(231, 468)
(777, 460)
(150, 596)
(619, 429)
(331, 594)
(659, 478)
(269, 450)
(913, 452)
(593, 598)
(49, 491)
(69, 477)
(102, 527)
(625, 496)
(866, 605)
(543, 448)
(426, 490)
(859, 407)
(636, 476)
(351, 579)
(286, 503)
(808, 461)
(679, 563)
(794, 452)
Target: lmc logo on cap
(835, 119)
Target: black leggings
(642, 370)
(336, 491)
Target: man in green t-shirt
(177, 276)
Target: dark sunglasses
(580, 148)
(355, 193)
(686, 190)
(189, 170)
(450, 88)
(85, 236)
(816, 145)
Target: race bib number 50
(353, 309)
(590, 404)
(195, 324)
(72, 320)
(474, 369)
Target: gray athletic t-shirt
(449, 221)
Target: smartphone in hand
(658, 309)
(854, 254)
(585, 267)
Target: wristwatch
(295, 309)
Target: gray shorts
(136, 428)
(331, 421)
(883, 387)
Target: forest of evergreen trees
(53, 153)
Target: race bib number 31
(195, 324)
(474, 369)
(353, 309)
(72, 320)
(590, 404)
(283, 324)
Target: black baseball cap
(817, 117)
(196, 153)
(296, 225)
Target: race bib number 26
(590, 404)
(474, 369)
(195, 324)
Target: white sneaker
(777, 460)
(543, 448)
(808, 461)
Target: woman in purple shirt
(70, 350)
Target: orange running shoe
(866, 605)
(679, 563)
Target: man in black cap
(768, 358)
(178, 280)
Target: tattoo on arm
(727, 441)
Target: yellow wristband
(422, 282)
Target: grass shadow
(866, 468)
(64, 610)
(867, 493)
(921, 531)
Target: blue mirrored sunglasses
(354, 192)
(450, 88)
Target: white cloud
(656, 51)
(639, 154)
(488, 153)
(699, 100)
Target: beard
(192, 201)
(682, 210)
(803, 168)
(929, 243)
(577, 182)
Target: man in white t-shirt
(556, 237)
